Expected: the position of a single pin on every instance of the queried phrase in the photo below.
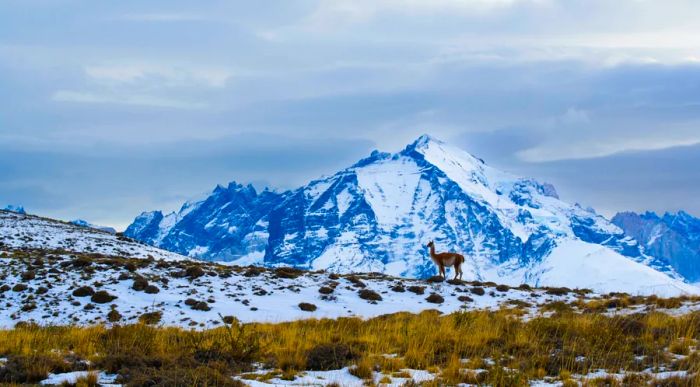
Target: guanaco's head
(430, 244)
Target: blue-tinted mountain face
(229, 224)
(672, 238)
(378, 214)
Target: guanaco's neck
(432, 250)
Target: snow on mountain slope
(378, 214)
(21, 231)
(606, 271)
(673, 238)
(230, 224)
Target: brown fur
(446, 259)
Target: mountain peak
(425, 139)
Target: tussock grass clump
(369, 295)
(325, 290)
(416, 289)
(363, 369)
(139, 284)
(435, 298)
(465, 299)
(307, 307)
(253, 271)
(114, 316)
(558, 291)
(83, 291)
(151, 289)
(288, 272)
(324, 357)
(356, 282)
(102, 297)
(151, 318)
(194, 272)
(503, 288)
(479, 291)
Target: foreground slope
(377, 215)
(60, 289)
(22, 231)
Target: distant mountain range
(15, 208)
(378, 214)
(672, 238)
(85, 223)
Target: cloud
(168, 75)
(123, 99)
(333, 11)
(112, 183)
(162, 17)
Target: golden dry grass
(557, 346)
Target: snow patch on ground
(103, 379)
(342, 377)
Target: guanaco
(446, 259)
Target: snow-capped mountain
(85, 223)
(673, 238)
(378, 214)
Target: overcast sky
(109, 108)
